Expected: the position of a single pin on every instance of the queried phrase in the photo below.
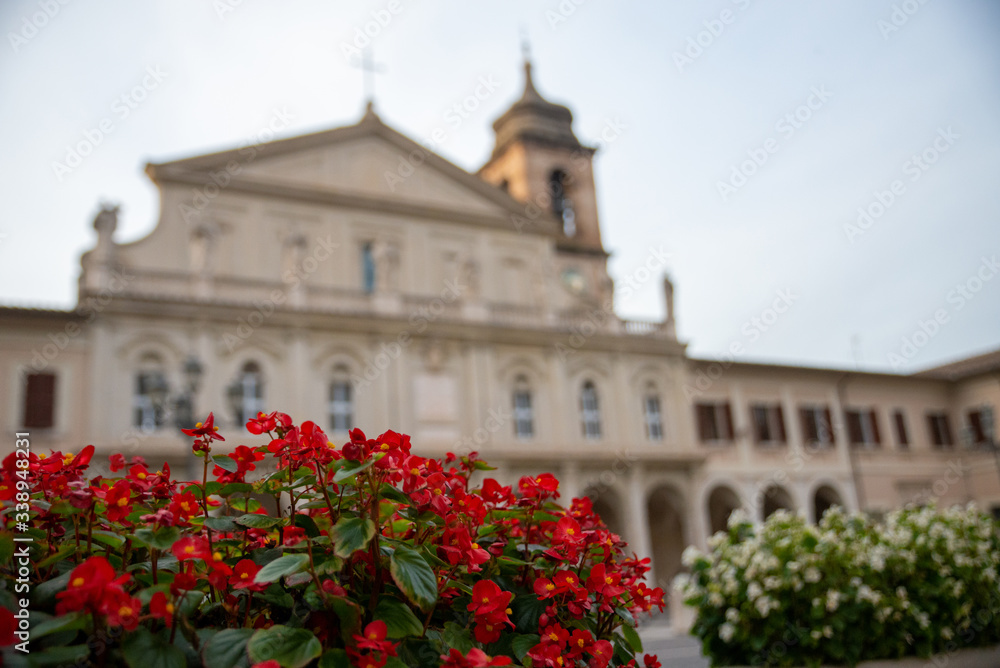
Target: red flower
(184, 506)
(191, 547)
(476, 658)
(117, 462)
(161, 608)
(243, 576)
(371, 649)
(543, 486)
(118, 499)
(651, 661)
(122, 610)
(270, 663)
(7, 627)
(487, 597)
(205, 432)
(87, 583)
(603, 583)
(600, 654)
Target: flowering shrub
(787, 593)
(376, 557)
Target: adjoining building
(355, 278)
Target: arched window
(652, 413)
(341, 406)
(148, 412)
(562, 205)
(590, 412)
(251, 392)
(524, 416)
(368, 267)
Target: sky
(823, 175)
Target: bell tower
(538, 159)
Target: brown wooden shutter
(828, 416)
(976, 422)
(728, 411)
(854, 431)
(946, 422)
(40, 400)
(701, 416)
(874, 419)
(782, 436)
(901, 435)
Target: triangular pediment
(369, 160)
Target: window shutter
(729, 421)
(40, 401)
(782, 436)
(701, 416)
(807, 426)
(946, 424)
(828, 426)
(874, 419)
(901, 435)
(854, 427)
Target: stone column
(637, 520)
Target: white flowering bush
(788, 593)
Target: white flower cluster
(891, 572)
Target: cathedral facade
(356, 278)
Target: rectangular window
(147, 414)
(40, 401)
(817, 425)
(902, 435)
(862, 427)
(368, 267)
(715, 421)
(768, 423)
(654, 418)
(524, 419)
(940, 428)
(341, 406)
(590, 413)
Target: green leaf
(352, 469)
(162, 539)
(292, 648)
(142, 649)
(350, 534)
(44, 595)
(286, 565)
(527, 608)
(60, 656)
(457, 636)
(235, 488)
(305, 522)
(226, 463)
(633, 639)
(255, 521)
(414, 576)
(112, 540)
(227, 649)
(387, 491)
(225, 524)
(398, 618)
(63, 552)
(522, 643)
(70, 622)
(349, 613)
(6, 546)
(335, 658)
